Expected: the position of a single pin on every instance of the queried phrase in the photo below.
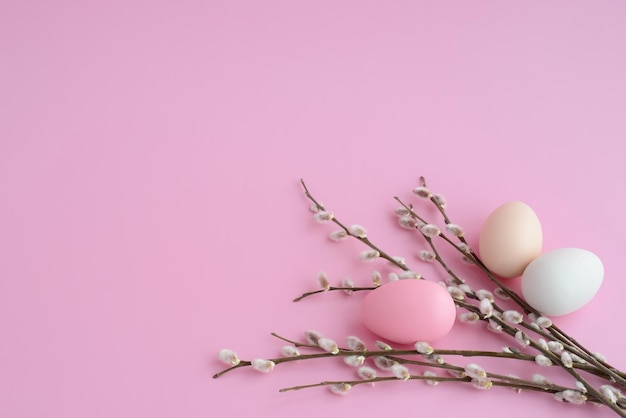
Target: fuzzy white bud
(290, 351)
(338, 235)
(599, 357)
(512, 317)
(400, 371)
(541, 379)
(486, 308)
(473, 370)
(423, 347)
(428, 373)
(464, 247)
(366, 373)
(440, 200)
(543, 344)
(422, 192)
(376, 278)
(555, 347)
(382, 345)
(357, 231)
(354, 361)
(369, 255)
(482, 384)
(384, 363)
(451, 281)
(485, 294)
(430, 230)
(408, 274)
(494, 326)
(522, 338)
(408, 222)
(393, 277)
(228, 356)
(566, 359)
(465, 287)
(542, 360)
(328, 345)
(340, 388)
(324, 216)
(312, 337)
(316, 208)
(455, 230)
(322, 279)
(402, 211)
(434, 358)
(426, 255)
(580, 386)
(574, 396)
(501, 294)
(355, 343)
(610, 393)
(543, 322)
(469, 317)
(262, 365)
(348, 284)
(456, 292)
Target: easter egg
(562, 281)
(407, 311)
(510, 239)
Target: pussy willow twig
(581, 364)
(603, 369)
(405, 357)
(364, 240)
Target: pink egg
(407, 311)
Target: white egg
(562, 281)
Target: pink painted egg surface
(407, 311)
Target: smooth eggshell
(562, 281)
(407, 311)
(510, 239)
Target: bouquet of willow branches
(534, 338)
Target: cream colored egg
(562, 281)
(510, 239)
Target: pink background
(150, 211)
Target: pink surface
(150, 210)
